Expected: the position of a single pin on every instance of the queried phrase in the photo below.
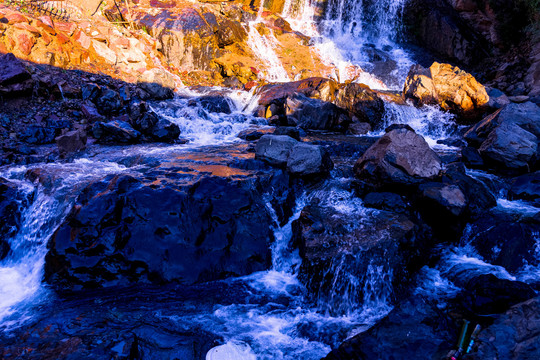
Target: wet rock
(526, 187)
(127, 230)
(359, 128)
(501, 239)
(337, 246)
(109, 102)
(289, 131)
(526, 116)
(472, 157)
(508, 146)
(451, 88)
(478, 196)
(214, 104)
(514, 335)
(314, 114)
(487, 294)
(362, 102)
(10, 212)
(308, 160)
(447, 200)
(159, 84)
(165, 131)
(444, 208)
(316, 88)
(115, 132)
(12, 70)
(38, 135)
(136, 109)
(230, 32)
(90, 112)
(250, 134)
(415, 328)
(90, 92)
(497, 99)
(274, 149)
(71, 142)
(385, 201)
(144, 123)
(399, 157)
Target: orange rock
(47, 28)
(25, 43)
(62, 38)
(45, 19)
(83, 39)
(68, 28)
(3, 48)
(15, 18)
(46, 38)
(27, 27)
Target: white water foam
(203, 127)
(21, 272)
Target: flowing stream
(276, 319)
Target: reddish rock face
(15, 18)
(83, 39)
(25, 42)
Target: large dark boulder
(314, 114)
(414, 329)
(71, 142)
(109, 102)
(399, 157)
(274, 149)
(504, 240)
(337, 247)
(12, 70)
(525, 115)
(510, 147)
(165, 131)
(514, 335)
(478, 196)
(316, 88)
(444, 208)
(526, 187)
(309, 160)
(115, 132)
(487, 294)
(125, 230)
(362, 102)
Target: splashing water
(354, 35)
(205, 127)
(22, 271)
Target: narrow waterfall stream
(276, 314)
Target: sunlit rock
(453, 89)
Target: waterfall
(21, 272)
(351, 34)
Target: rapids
(268, 314)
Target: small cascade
(428, 121)
(264, 48)
(21, 272)
(357, 37)
(212, 117)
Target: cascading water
(357, 37)
(22, 271)
(264, 47)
